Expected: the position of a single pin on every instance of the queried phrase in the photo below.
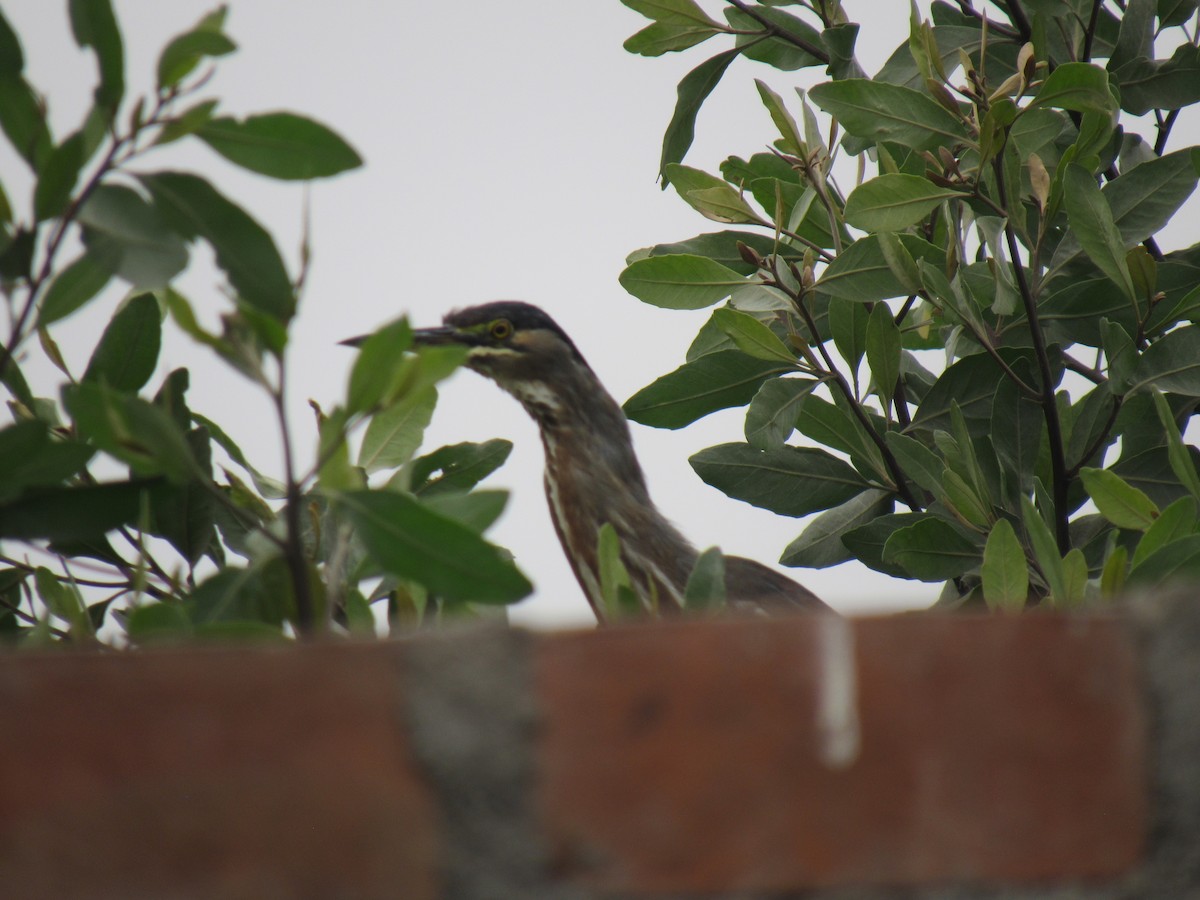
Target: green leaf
(877, 111)
(791, 481)
(63, 600)
(861, 273)
(1120, 354)
(1177, 451)
(1113, 575)
(245, 250)
(931, 550)
(395, 433)
(711, 382)
(57, 178)
(836, 425)
(752, 337)
(883, 350)
(1076, 86)
(1173, 83)
(792, 142)
(71, 288)
(183, 514)
(478, 510)
(721, 247)
(457, 467)
(1092, 223)
(672, 12)
(128, 237)
(679, 281)
(280, 145)
(1171, 364)
(776, 50)
(12, 58)
(893, 202)
(184, 52)
(75, 513)
(185, 123)
(771, 416)
(378, 370)
(23, 119)
(1141, 201)
(616, 589)
(1005, 572)
(918, 462)
(706, 584)
(410, 540)
(820, 544)
(1175, 563)
(848, 325)
(95, 26)
(662, 37)
(127, 353)
(1118, 501)
(693, 90)
(30, 458)
(1176, 521)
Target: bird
(592, 475)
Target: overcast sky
(511, 151)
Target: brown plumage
(592, 475)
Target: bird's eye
(501, 329)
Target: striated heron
(592, 476)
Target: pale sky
(511, 151)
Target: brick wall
(912, 756)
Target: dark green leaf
(672, 12)
(835, 425)
(457, 467)
(862, 274)
(127, 353)
(1173, 83)
(883, 350)
(693, 90)
(1177, 451)
(477, 510)
(877, 111)
(183, 514)
(95, 26)
(721, 247)
(1017, 441)
(24, 120)
(919, 463)
(57, 178)
(771, 416)
(12, 58)
(711, 382)
(776, 51)
(1172, 363)
(158, 621)
(127, 236)
(1136, 35)
(1175, 12)
(29, 457)
(181, 56)
(79, 512)
(245, 250)
(186, 122)
(1092, 223)
(867, 541)
(931, 550)
(658, 38)
(71, 288)
(411, 541)
(791, 481)
(848, 324)
(1150, 472)
(821, 545)
(893, 202)
(259, 594)
(281, 145)
(375, 377)
(1076, 86)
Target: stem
(1101, 439)
(1017, 16)
(775, 31)
(293, 549)
(1089, 35)
(1058, 463)
(1164, 130)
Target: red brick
(211, 773)
(688, 757)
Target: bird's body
(592, 475)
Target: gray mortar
(472, 719)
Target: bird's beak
(425, 337)
(443, 334)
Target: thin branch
(1058, 464)
(1089, 35)
(1164, 130)
(1017, 16)
(1100, 441)
(1091, 373)
(776, 31)
(293, 551)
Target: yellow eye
(501, 329)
